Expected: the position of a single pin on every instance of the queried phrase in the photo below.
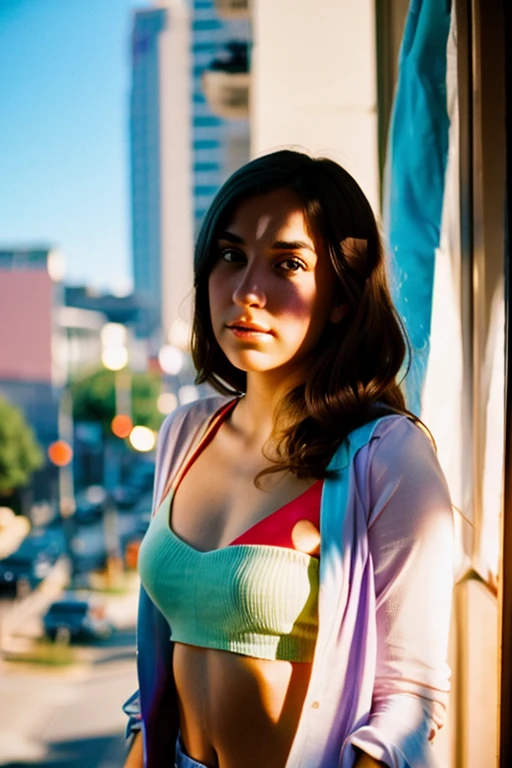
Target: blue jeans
(183, 760)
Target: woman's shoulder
(389, 433)
(400, 463)
(395, 428)
(398, 434)
(397, 445)
(191, 416)
(392, 447)
(178, 432)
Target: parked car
(18, 571)
(90, 504)
(87, 512)
(32, 561)
(47, 540)
(72, 618)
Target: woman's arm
(410, 538)
(135, 757)
(411, 543)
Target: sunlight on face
(272, 288)
(264, 223)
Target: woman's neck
(254, 416)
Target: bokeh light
(142, 439)
(167, 402)
(171, 359)
(60, 453)
(121, 425)
(114, 358)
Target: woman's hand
(135, 757)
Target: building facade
(208, 153)
(32, 362)
(219, 145)
(181, 151)
(161, 207)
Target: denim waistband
(183, 760)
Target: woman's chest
(216, 498)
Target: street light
(60, 453)
(114, 357)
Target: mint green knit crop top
(253, 599)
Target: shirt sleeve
(410, 536)
(131, 708)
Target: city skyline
(64, 148)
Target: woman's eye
(291, 265)
(231, 256)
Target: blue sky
(64, 96)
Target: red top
(275, 529)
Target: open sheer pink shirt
(379, 678)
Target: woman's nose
(249, 290)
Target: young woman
(297, 572)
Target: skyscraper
(181, 152)
(218, 145)
(161, 194)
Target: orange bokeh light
(121, 425)
(60, 453)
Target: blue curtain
(414, 177)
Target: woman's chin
(253, 361)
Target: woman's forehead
(272, 214)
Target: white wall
(314, 82)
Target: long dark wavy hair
(353, 376)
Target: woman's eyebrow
(278, 245)
(230, 237)
(292, 245)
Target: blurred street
(68, 716)
(61, 693)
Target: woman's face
(272, 289)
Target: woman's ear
(338, 313)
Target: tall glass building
(218, 145)
(145, 155)
(181, 152)
(208, 130)
(161, 187)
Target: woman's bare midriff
(237, 711)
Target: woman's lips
(248, 330)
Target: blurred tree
(20, 454)
(94, 398)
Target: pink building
(29, 345)
(27, 298)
